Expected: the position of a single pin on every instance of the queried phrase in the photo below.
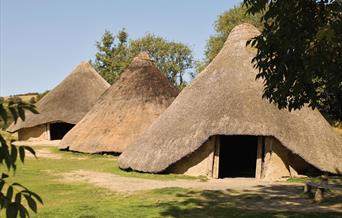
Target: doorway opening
(237, 157)
(58, 130)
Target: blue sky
(41, 41)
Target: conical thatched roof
(69, 101)
(225, 99)
(126, 109)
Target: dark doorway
(238, 156)
(58, 130)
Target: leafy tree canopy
(115, 53)
(299, 53)
(112, 56)
(172, 58)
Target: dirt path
(130, 184)
(241, 192)
(45, 153)
(52, 143)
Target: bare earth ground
(129, 184)
(41, 152)
(272, 196)
(46, 153)
(52, 143)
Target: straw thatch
(126, 109)
(69, 101)
(225, 99)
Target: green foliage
(12, 199)
(172, 58)
(299, 53)
(14, 99)
(112, 56)
(115, 53)
(332, 180)
(20, 100)
(223, 25)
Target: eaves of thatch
(225, 99)
(124, 111)
(69, 101)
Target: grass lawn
(332, 180)
(23, 97)
(65, 199)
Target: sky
(42, 41)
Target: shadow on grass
(267, 201)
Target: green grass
(80, 199)
(332, 180)
(108, 164)
(23, 97)
(100, 163)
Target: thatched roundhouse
(219, 126)
(63, 106)
(125, 110)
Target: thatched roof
(69, 101)
(225, 99)
(126, 109)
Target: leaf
(23, 212)
(22, 153)
(31, 202)
(14, 113)
(21, 112)
(2, 141)
(8, 162)
(12, 210)
(14, 153)
(29, 149)
(4, 176)
(9, 193)
(3, 113)
(2, 202)
(2, 183)
(18, 197)
(33, 110)
(38, 198)
(19, 185)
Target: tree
(173, 58)
(112, 56)
(299, 53)
(223, 25)
(12, 200)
